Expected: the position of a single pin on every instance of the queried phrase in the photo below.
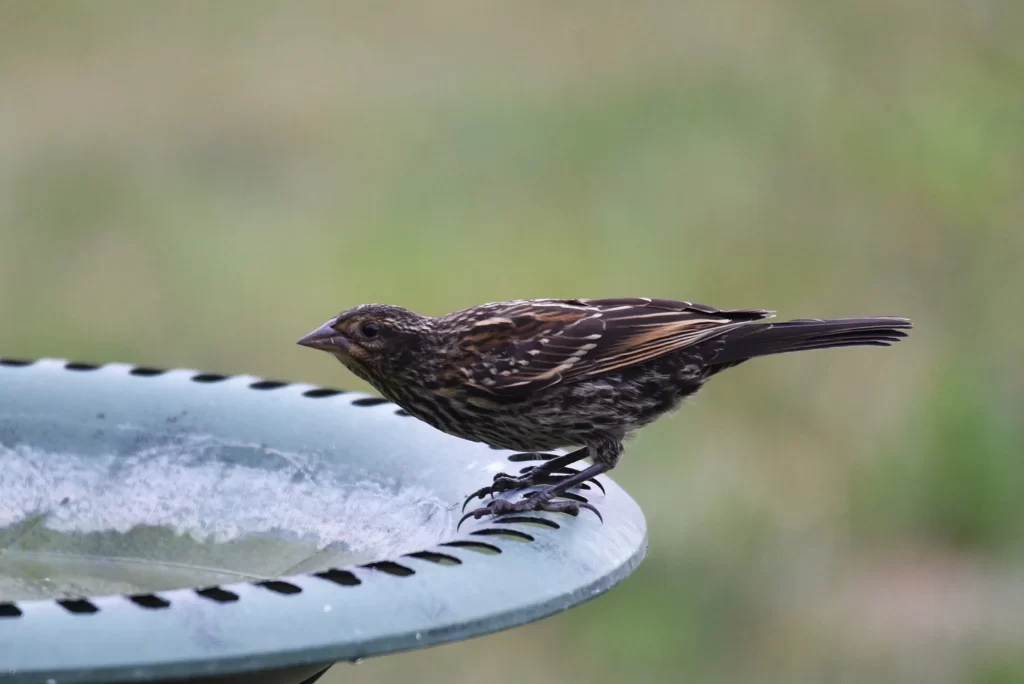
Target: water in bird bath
(191, 510)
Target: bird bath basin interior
(175, 525)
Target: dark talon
(500, 484)
(478, 494)
(493, 507)
(590, 508)
(572, 508)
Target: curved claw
(581, 506)
(502, 483)
(583, 485)
(506, 483)
(463, 519)
(478, 494)
(480, 512)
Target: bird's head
(374, 341)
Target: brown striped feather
(529, 345)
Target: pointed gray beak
(324, 338)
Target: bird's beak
(324, 338)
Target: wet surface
(192, 510)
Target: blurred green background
(198, 184)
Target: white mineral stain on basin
(194, 511)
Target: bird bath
(176, 525)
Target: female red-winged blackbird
(537, 375)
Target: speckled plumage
(537, 375)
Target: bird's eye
(370, 329)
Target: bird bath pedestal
(182, 526)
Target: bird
(581, 375)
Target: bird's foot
(530, 477)
(529, 504)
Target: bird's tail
(755, 340)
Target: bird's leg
(551, 465)
(606, 455)
(544, 474)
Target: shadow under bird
(544, 374)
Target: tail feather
(765, 339)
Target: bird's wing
(511, 349)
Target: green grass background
(198, 184)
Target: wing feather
(509, 350)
